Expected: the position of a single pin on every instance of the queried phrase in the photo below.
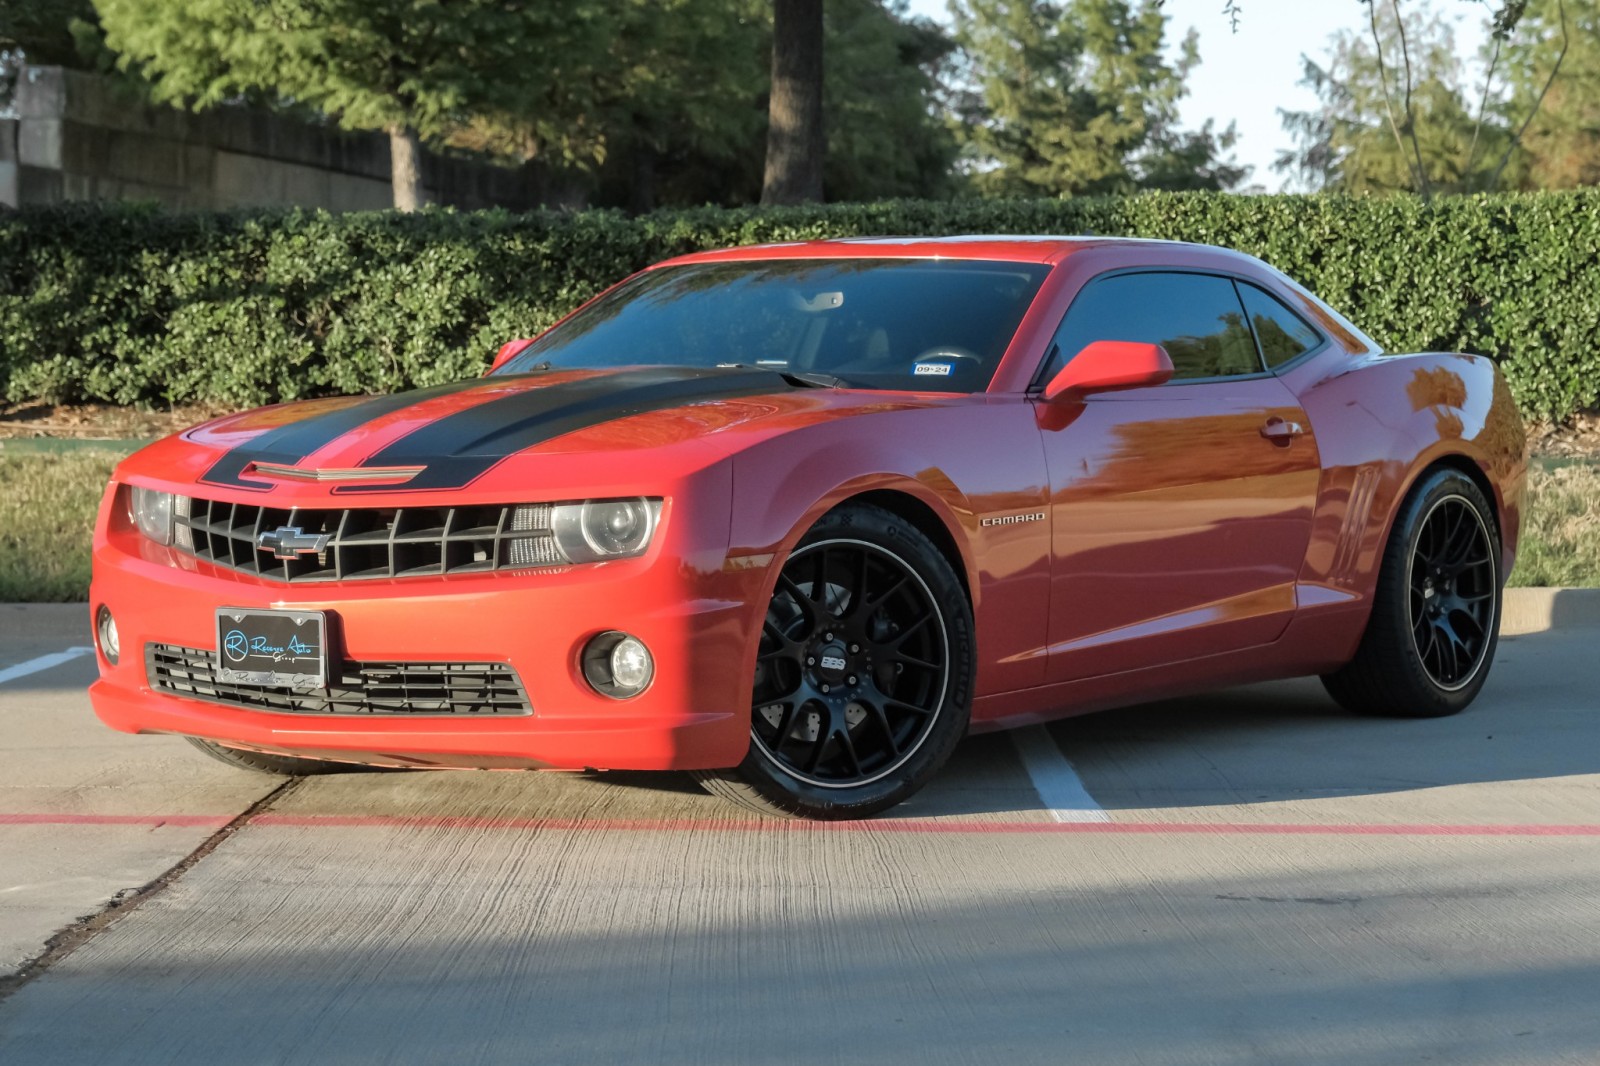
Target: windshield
(927, 325)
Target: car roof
(1003, 247)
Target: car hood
(451, 436)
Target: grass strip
(47, 509)
(1560, 528)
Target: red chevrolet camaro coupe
(796, 518)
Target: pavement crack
(128, 900)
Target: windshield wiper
(804, 378)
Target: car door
(1180, 513)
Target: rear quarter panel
(1381, 421)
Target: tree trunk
(642, 187)
(795, 142)
(405, 168)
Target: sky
(1245, 77)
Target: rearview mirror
(1107, 365)
(508, 351)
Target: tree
(682, 98)
(795, 140)
(48, 32)
(886, 132)
(1196, 160)
(1394, 112)
(62, 33)
(1552, 80)
(1076, 97)
(685, 104)
(1398, 110)
(415, 69)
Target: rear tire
(863, 677)
(1435, 618)
(277, 765)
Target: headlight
(152, 513)
(603, 529)
(584, 531)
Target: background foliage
(126, 304)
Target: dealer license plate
(281, 648)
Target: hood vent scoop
(397, 474)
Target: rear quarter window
(1283, 335)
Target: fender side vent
(1347, 553)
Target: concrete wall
(8, 161)
(81, 136)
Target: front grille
(477, 689)
(368, 542)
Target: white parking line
(1054, 778)
(43, 662)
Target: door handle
(1279, 431)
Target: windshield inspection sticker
(937, 369)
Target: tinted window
(1195, 317)
(1282, 333)
(929, 325)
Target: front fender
(961, 462)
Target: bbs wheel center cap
(832, 662)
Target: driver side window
(1197, 318)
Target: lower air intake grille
(473, 689)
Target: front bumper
(696, 619)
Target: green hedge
(128, 304)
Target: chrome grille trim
(477, 690)
(368, 543)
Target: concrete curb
(1536, 610)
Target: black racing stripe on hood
(290, 444)
(461, 447)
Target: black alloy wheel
(1453, 592)
(853, 665)
(863, 672)
(1435, 618)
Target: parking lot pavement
(1246, 877)
(65, 782)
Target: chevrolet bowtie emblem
(291, 542)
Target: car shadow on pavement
(1534, 721)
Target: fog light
(618, 665)
(105, 628)
(631, 667)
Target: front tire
(1435, 618)
(863, 678)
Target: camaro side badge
(1013, 519)
(291, 542)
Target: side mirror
(508, 351)
(1107, 365)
